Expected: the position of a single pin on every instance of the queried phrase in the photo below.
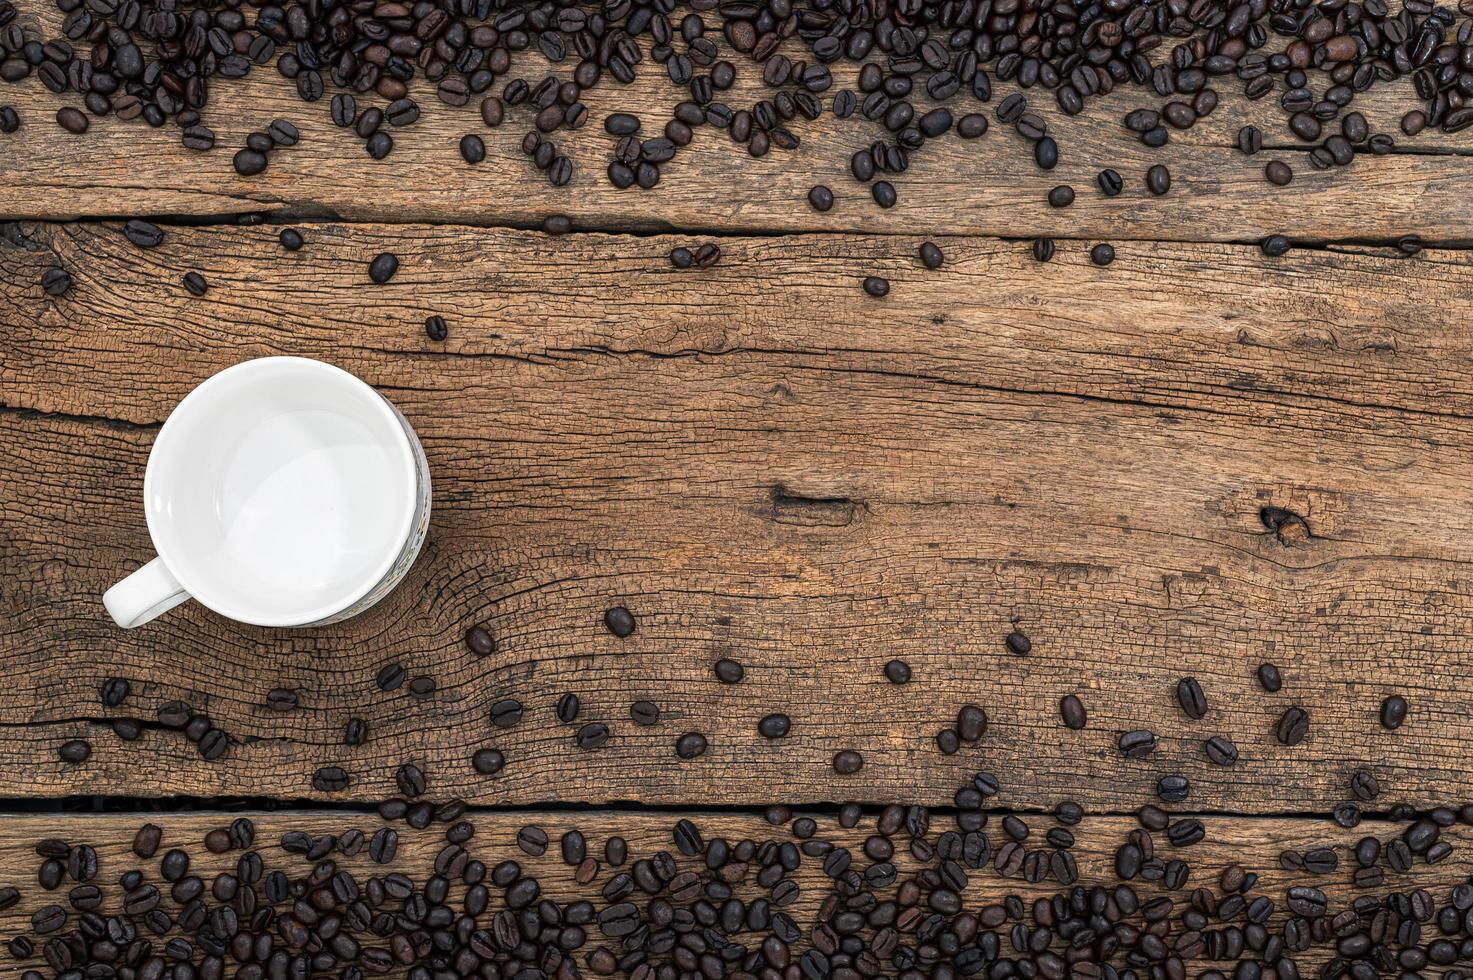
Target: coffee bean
(175, 714)
(436, 330)
(1269, 678)
(619, 621)
(971, 723)
(1158, 180)
(1110, 182)
(1043, 249)
(1278, 173)
(127, 729)
(330, 779)
(55, 281)
(1046, 153)
(1393, 711)
(876, 286)
(556, 224)
(249, 162)
(1173, 789)
(884, 193)
(644, 713)
(1102, 254)
(143, 234)
(281, 699)
(567, 708)
(1018, 644)
(479, 639)
(1189, 695)
(931, 256)
(114, 691)
(1221, 751)
(1137, 744)
(1061, 196)
(9, 119)
(820, 198)
(383, 267)
(195, 284)
(592, 735)
(1274, 246)
(75, 750)
(897, 672)
(410, 780)
(291, 239)
(1292, 726)
(774, 726)
(492, 111)
(1250, 140)
(355, 732)
(390, 678)
(848, 762)
(472, 148)
(488, 762)
(728, 671)
(506, 712)
(1072, 711)
(690, 745)
(532, 841)
(71, 120)
(971, 126)
(422, 686)
(213, 744)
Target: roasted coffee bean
(114, 692)
(1292, 726)
(281, 699)
(1061, 196)
(774, 726)
(472, 148)
(848, 762)
(1043, 251)
(330, 779)
(143, 233)
(1158, 180)
(876, 286)
(619, 621)
(1393, 711)
(592, 735)
(1268, 674)
(1110, 182)
(1221, 751)
(383, 267)
(897, 672)
(1273, 246)
(931, 256)
(410, 780)
(390, 678)
(644, 713)
(1137, 744)
(175, 714)
(1278, 173)
(435, 328)
(75, 750)
(1071, 709)
(479, 641)
(506, 712)
(55, 281)
(1250, 140)
(291, 239)
(9, 119)
(1189, 695)
(488, 762)
(1102, 254)
(728, 671)
(690, 745)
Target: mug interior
(280, 491)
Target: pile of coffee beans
(157, 60)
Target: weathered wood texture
(764, 463)
(990, 186)
(1253, 843)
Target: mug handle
(146, 594)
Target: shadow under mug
(282, 491)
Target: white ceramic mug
(282, 491)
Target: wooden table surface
(766, 464)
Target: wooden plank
(764, 463)
(1254, 844)
(990, 186)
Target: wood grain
(1253, 843)
(990, 186)
(764, 463)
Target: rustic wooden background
(764, 463)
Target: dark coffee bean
(1393, 711)
(848, 762)
(619, 621)
(195, 284)
(897, 672)
(1102, 254)
(1273, 246)
(931, 256)
(1010, 108)
(532, 840)
(410, 780)
(557, 224)
(1072, 711)
(72, 120)
(55, 281)
(1269, 678)
(728, 671)
(249, 162)
(76, 750)
(343, 109)
(690, 745)
(1137, 744)
(644, 713)
(422, 686)
(379, 145)
(143, 233)
(506, 712)
(1292, 726)
(480, 641)
(820, 198)
(330, 779)
(592, 735)
(774, 726)
(213, 744)
(355, 732)
(567, 708)
(1191, 698)
(1158, 180)
(876, 286)
(1110, 182)
(488, 762)
(175, 714)
(1043, 251)
(1408, 244)
(472, 148)
(281, 699)
(1046, 153)
(127, 729)
(291, 239)
(971, 126)
(1221, 751)
(492, 111)
(9, 119)
(682, 258)
(114, 691)
(1061, 196)
(1278, 173)
(1173, 789)
(971, 723)
(435, 328)
(383, 267)
(390, 678)
(884, 193)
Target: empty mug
(282, 491)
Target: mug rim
(384, 412)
